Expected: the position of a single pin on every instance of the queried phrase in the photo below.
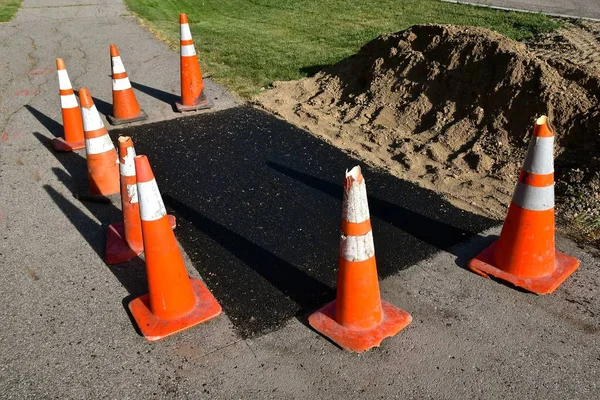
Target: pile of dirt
(452, 108)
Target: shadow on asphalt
(258, 203)
(132, 275)
(280, 273)
(51, 125)
(158, 94)
(436, 233)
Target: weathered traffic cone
(101, 156)
(192, 85)
(358, 319)
(174, 302)
(72, 123)
(525, 254)
(125, 105)
(124, 239)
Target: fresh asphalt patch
(258, 203)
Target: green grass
(8, 8)
(247, 44)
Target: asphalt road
(575, 8)
(258, 203)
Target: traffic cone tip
(114, 52)
(85, 98)
(542, 127)
(126, 156)
(183, 18)
(60, 64)
(142, 169)
(355, 173)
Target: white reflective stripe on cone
(356, 207)
(540, 157)
(91, 119)
(188, 50)
(68, 101)
(357, 248)
(127, 167)
(117, 65)
(184, 32)
(63, 80)
(151, 204)
(98, 145)
(121, 84)
(132, 193)
(534, 198)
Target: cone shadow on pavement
(51, 125)
(158, 94)
(133, 275)
(74, 178)
(303, 289)
(429, 230)
(72, 162)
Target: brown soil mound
(451, 108)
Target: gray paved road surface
(570, 8)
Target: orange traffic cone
(124, 239)
(102, 163)
(174, 302)
(357, 319)
(72, 124)
(125, 106)
(192, 85)
(524, 255)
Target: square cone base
(154, 328)
(117, 249)
(483, 265)
(203, 103)
(394, 320)
(116, 121)
(60, 144)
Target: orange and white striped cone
(124, 239)
(525, 254)
(174, 302)
(72, 123)
(192, 85)
(101, 156)
(358, 319)
(125, 105)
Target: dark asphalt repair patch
(258, 203)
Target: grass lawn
(246, 44)
(8, 8)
